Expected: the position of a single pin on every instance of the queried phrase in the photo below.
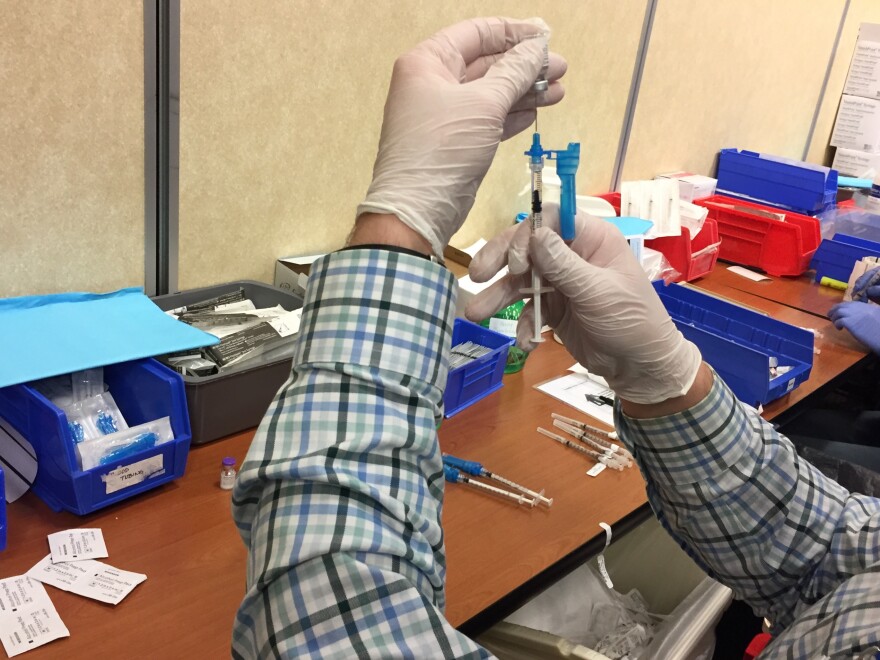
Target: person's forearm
(386, 229)
(698, 391)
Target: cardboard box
(863, 78)
(857, 125)
(691, 186)
(292, 273)
(850, 162)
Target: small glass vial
(227, 473)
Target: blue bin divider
(2, 512)
(738, 343)
(144, 390)
(837, 256)
(470, 382)
(782, 182)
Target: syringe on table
(454, 467)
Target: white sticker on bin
(129, 475)
(89, 578)
(77, 544)
(28, 618)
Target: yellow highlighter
(834, 284)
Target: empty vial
(227, 473)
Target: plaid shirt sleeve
(798, 547)
(339, 498)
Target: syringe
(536, 165)
(595, 443)
(596, 456)
(456, 477)
(477, 469)
(601, 436)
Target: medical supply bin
(837, 256)
(471, 382)
(223, 404)
(646, 559)
(2, 512)
(752, 235)
(691, 257)
(144, 390)
(783, 182)
(739, 343)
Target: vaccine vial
(227, 473)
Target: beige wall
(281, 103)
(72, 136)
(741, 74)
(281, 106)
(860, 11)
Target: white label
(89, 578)
(28, 618)
(77, 544)
(504, 326)
(129, 475)
(287, 324)
(596, 469)
(790, 386)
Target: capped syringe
(609, 461)
(475, 468)
(453, 475)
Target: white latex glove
(452, 99)
(603, 306)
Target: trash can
(648, 560)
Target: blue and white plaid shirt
(339, 498)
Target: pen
(600, 400)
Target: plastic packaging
(87, 383)
(94, 417)
(117, 446)
(505, 322)
(227, 473)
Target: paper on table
(77, 545)
(18, 461)
(748, 274)
(42, 336)
(476, 247)
(573, 388)
(28, 618)
(89, 578)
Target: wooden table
(182, 537)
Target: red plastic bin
(691, 258)
(752, 237)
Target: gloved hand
(452, 99)
(603, 305)
(867, 287)
(861, 319)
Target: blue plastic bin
(739, 343)
(471, 382)
(2, 512)
(782, 182)
(144, 390)
(837, 256)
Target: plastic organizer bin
(471, 382)
(646, 559)
(223, 404)
(144, 390)
(692, 258)
(837, 256)
(739, 343)
(2, 513)
(783, 182)
(752, 237)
